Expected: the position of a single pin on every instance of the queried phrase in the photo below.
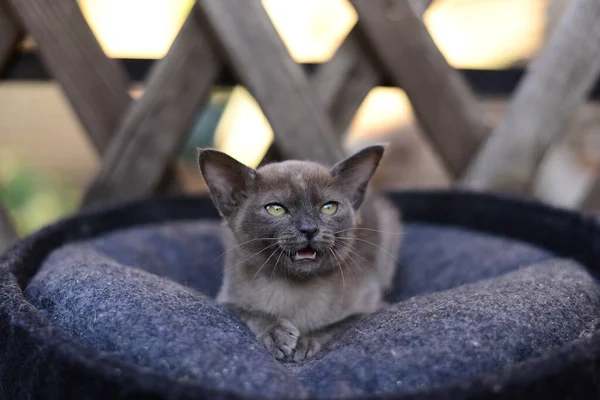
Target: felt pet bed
(494, 297)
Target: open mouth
(305, 254)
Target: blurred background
(46, 159)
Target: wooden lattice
(139, 140)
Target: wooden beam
(557, 82)
(157, 124)
(10, 33)
(7, 232)
(420, 6)
(343, 82)
(259, 58)
(451, 116)
(484, 82)
(95, 85)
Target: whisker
(346, 264)
(252, 256)
(271, 278)
(343, 279)
(355, 263)
(275, 267)
(285, 270)
(261, 267)
(372, 230)
(353, 250)
(289, 253)
(241, 244)
(366, 241)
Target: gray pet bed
(493, 297)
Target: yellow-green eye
(329, 208)
(275, 209)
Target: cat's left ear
(227, 179)
(353, 174)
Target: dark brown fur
(295, 307)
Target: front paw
(281, 339)
(307, 347)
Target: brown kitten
(309, 248)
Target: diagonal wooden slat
(444, 104)
(420, 6)
(557, 82)
(157, 124)
(343, 82)
(259, 58)
(95, 85)
(7, 233)
(120, 171)
(10, 33)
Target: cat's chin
(303, 270)
(304, 263)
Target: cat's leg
(310, 344)
(278, 335)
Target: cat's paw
(281, 339)
(306, 347)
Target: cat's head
(294, 217)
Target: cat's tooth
(298, 256)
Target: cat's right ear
(227, 179)
(352, 175)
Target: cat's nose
(308, 229)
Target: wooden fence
(139, 140)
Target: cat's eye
(329, 208)
(276, 210)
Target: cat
(310, 248)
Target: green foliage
(33, 198)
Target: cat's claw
(306, 347)
(281, 339)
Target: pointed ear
(353, 174)
(227, 179)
